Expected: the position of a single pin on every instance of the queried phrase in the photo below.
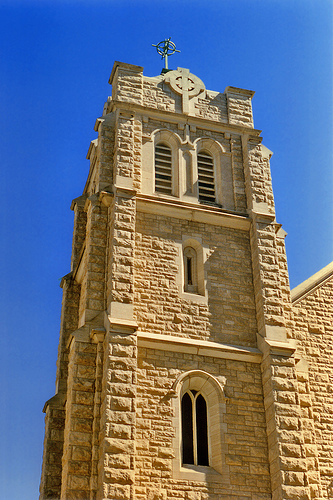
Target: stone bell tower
(177, 374)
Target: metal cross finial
(166, 48)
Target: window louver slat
(206, 178)
(163, 169)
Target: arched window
(200, 407)
(194, 429)
(206, 178)
(163, 169)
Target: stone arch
(212, 390)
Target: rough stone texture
(313, 314)
(244, 421)
(229, 314)
(129, 331)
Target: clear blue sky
(56, 58)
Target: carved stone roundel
(182, 81)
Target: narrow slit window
(206, 180)
(163, 169)
(194, 429)
(190, 270)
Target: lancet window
(194, 429)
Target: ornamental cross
(166, 48)
(186, 84)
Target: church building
(186, 369)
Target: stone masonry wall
(229, 315)
(78, 434)
(213, 107)
(314, 331)
(246, 455)
(117, 436)
(293, 462)
(158, 95)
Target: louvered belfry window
(206, 177)
(163, 169)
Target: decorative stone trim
(174, 117)
(199, 347)
(193, 212)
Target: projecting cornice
(199, 347)
(189, 211)
(179, 118)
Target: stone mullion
(77, 454)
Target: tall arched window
(200, 407)
(206, 178)
(163, 169)
(194, 429)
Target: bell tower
(177, 375)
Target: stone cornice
(237, 90)
(198, 347)
(194, 212)
(178, 118)
(129, 67)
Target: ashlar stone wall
(132, 335)
(313, 313)
(226, 314)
